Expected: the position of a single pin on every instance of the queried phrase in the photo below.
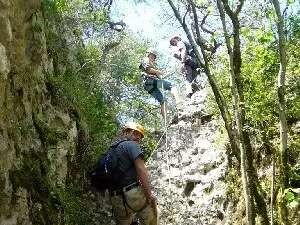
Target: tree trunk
(272, 190)
(283, 167)
(229, 50)
(238, 99)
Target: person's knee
(168, 85)
(190, 77)
(160, 98)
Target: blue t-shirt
(127, 152)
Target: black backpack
(106, 174)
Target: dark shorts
(153, 86)
(189, 73)
(190, 67)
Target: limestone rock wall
(188, 175)
(38, 136)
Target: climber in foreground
(134, 193)
(189, 66)
(153, 82)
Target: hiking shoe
(195, 87)
(189, 95)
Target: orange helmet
(134, 126)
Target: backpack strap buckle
(130, 186)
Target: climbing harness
(125, 203)
(122, 192)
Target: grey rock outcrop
(188, 175)
(38, 137)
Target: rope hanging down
(166, 132)
(164, 115)
(157, 144)
(166, 153)
(165, 125)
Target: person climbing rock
(152, 80)
(189, 66)
(134, 195)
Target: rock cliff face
(188, 174)
(38, 134)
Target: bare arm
(183, 51)
(143, 176)
(144, 179)
(155, 72)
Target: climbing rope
(166, 132)
(157, 144)
(166, 153)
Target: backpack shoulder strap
(115, 145)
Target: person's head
(174, 40)
(152, 55)
(133, 131)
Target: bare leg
(163, 109)
(175, 94)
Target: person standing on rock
(134, 195)
(153, 82)
(189, 66)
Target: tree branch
(108, 4)
(228, 10)
(239, 7)
(203, 22)
(200, 40)
(183, 20)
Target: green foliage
(32, 175)
(77, 210)
(75, 84)
(292, 197)
(260, 66)
(91, 105)
(294, 27)
(293, 74)
(49, 135)
(80, 14)
(233, 184)
(260, 70)
(295, 175)
(125, 61)
(148, 145)
(76, 67)
(37, 23)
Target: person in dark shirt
(135, 195)
(185, 53)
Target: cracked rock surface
(187, 174)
